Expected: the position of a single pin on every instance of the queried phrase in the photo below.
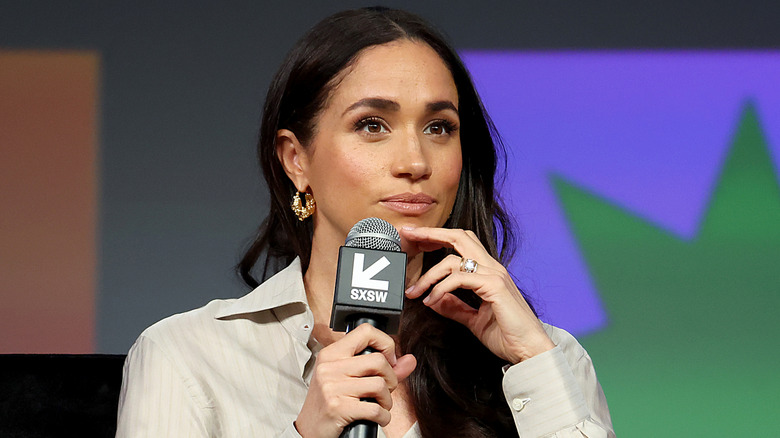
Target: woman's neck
(319, 282)
(402, 416)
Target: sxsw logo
(369, 281)
(364, 286)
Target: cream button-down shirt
(241, 368)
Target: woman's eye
(436, 129)
(371, 126)
(440, 128)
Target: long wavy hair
(456, 388)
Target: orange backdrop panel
(48, 192)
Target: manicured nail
(409, 290)
(407, 227)
(427, 299)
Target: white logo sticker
(365, 278)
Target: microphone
(370, 283)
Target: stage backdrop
(643, 153)
(647, 186)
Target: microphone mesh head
(374, 233)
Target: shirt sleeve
(550, 397)
(156, 400)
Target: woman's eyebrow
(375, 102)
(390, 105)
(441, 105)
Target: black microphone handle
(360, 429)
(363, 428)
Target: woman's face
(387, 143)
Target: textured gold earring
(301, 211)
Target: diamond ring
(468, 265)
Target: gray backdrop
(182, 86)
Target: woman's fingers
(359, 410)
(367, 365)
(450, 306)
(359, 339)
(372, 387)
(485, 285)
(504, 322)
(464, 242)
(343, 381)
(450, 267)
(404, 366)
(434, 275)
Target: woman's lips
(409, 203)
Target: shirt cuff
(290, 432)
(544, 395)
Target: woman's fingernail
(409, 290)
(407, 227)
(427, 299)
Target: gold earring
(301, 211)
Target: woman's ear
(293, 158)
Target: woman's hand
(341, 379)
(504, 322)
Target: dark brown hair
(456, 387)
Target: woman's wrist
(538, 345)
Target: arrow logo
(365, 278)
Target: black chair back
(59, 395)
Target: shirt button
(519, 403)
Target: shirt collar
(286, 287)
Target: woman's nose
(411, 160)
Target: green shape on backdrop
(692, 347)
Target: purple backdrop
(648, 130)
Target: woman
(371, 114)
